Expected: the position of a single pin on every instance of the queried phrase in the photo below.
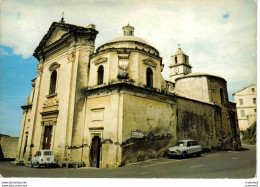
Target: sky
(218, 36)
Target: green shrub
(249, 135)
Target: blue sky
(16, 73)
(219, 37)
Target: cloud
(4, 52)
(215, 45)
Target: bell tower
(180, 65)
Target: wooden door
(47, 137)
(95, 152)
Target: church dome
(128, 38)
(128, 41)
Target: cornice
(130, 88)
(138, 45)
(127, 50)
(182, 64)
(27, 106)
(73, 35)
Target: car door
(35, 159)
(196, 147)
(189, 147)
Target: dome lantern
(128, 30)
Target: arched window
(221, 95)
(100, 75)
(53, 82)
(149, 77)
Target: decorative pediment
(54, 66)
(150, 62)
(51, 102)
(100, 60)
(50, 108)
(56, 35)
(61, 34)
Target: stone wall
(8, 147)
(154, 118)
(214, 127)
(163, 122)
(196, 121)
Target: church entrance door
(47, 137)
(95, 152)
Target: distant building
(112, 106)
(246, 106)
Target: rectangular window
(253, 90)
(242, 113)
(255, 109)
(254, 100)
(176, 60)
(241, 101)
(47, 153)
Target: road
(227, 164)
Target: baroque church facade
(112, 106)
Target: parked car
(43, 157)
(183, 148)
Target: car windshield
(180, 144)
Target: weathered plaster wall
(155, 119)
(214, 86)
(23, 138)
(142, 67)
(193, 87)
(62, 90)
(104, 119)
(93, 72)
(196, 121)
(212, 126)
(79, 103)
(9, 147)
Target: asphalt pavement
(225, 164)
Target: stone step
(17, 163)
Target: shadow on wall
(1, 153)
(148, 147)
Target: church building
(111, 106)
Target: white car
(184, 148)
(43, 157)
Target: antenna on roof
(62, 18)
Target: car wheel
(198, 154)
(184, 155)
(31, 165)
